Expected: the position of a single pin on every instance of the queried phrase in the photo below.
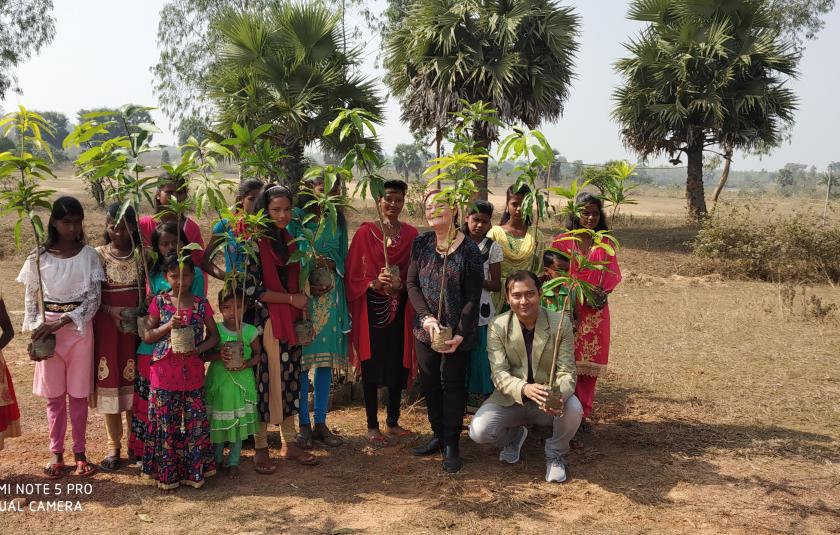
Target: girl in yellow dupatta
(522, 246)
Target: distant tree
(6, 144)
(25, 27)
(792, 176)
(185, 37)
(121, 126)
(784, 178)
(799, 20)
(704, 74)
(60, 125)
(411, 158)
(191, 127)
(710, 166)
(642, 176)
(165, 158)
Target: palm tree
(286, 66)
(516, 55)
(704, 75)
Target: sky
(81, 69)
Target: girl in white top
(71, 274)
(476, 226)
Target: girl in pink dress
(177, 446)
(592, 337)
(71, 273)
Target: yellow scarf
(518, 254)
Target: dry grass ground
(721, 414)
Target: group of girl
(380, 314)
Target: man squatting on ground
(520, 346)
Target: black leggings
(372, 403)
(444, 386)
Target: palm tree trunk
(293, 165)
(694, 194)
(724, 176)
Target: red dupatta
(283, 315)
(365, 260)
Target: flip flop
(85, 469)
(54, 470)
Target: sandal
(54, 470)
(303, 458)
(263, 467)
(111, 463)
(323, 434)
(85, 469)
(304, 437)
(400, 433)
(377, 440)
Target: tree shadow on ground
(658, 239)
(642, 459)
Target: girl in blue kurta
(328, 312)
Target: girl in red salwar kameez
(592, 336)
(115, 348)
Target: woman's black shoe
(430, 448)
(452, 460)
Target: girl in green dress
(232, 394)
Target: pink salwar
(69, 372)
(70, 369)
(57, 422)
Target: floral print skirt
(177, 447)
(140, 406)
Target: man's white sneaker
(555, 471)
(510, 453)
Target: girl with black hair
(246, 197)
(71, 274)
(331, 321)
(476, 225)
(382, 346)
(115, 349)
(522, 248)
(275, 302)
(177, 448)
(592, 336)
(175, 188)
(164, 241)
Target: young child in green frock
(232, 394)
